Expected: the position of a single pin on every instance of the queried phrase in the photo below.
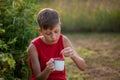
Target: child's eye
(56, 31)
(47, 33)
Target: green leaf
(2, 30)
(12, 41)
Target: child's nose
(53, 36)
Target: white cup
(59, 64)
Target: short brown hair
(47, 18)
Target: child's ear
(40, 31)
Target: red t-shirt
(45, 52)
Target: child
(49, 45)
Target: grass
(101, 53)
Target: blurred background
(93, 27)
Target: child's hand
(50, 65)
(68, 52)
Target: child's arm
(36, 66)
(68, 51)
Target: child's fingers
(65, 49)
(50, 61)
(50, 65)
(68, 52)
(67, 55)
(50, 68)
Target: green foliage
(17, 28)
(7, 65)
(7, 62)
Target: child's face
(51, 36)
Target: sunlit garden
(93, 26)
